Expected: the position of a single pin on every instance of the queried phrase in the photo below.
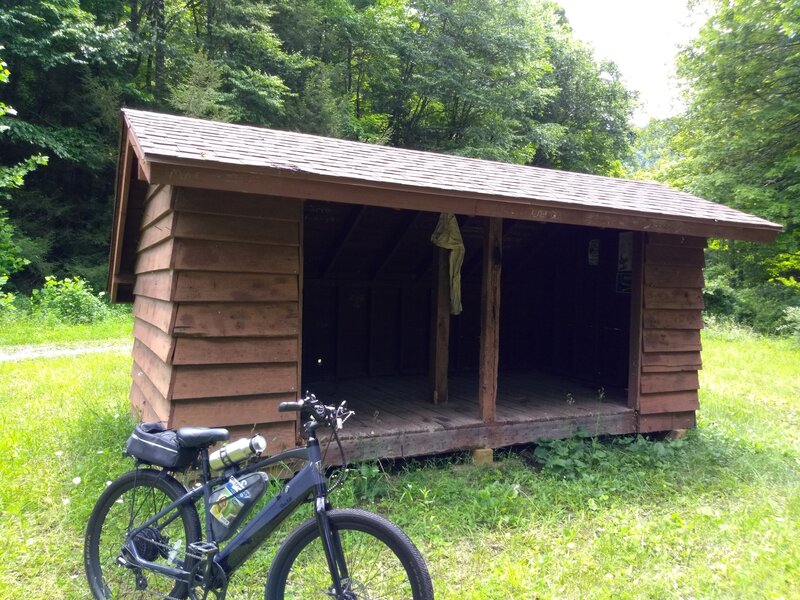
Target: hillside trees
(739, 144)
(496, 79)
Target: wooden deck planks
(395, 418)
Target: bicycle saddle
(197, 437)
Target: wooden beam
(303, 185)
(635, 338)
(345, 234)
(490, 319)
(440, 338)
(392, 246)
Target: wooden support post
(490, 318)
(635, 338)
(440, 338)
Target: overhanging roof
(206, 154)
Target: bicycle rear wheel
(381, 561)
(131, 500)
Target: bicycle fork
(334, 552)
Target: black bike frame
(309, 480)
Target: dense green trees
(739, 144)
(488, 78)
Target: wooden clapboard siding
(672, 305)
(157, 285)
(212, 412)
(209, 351)
(200, 286)
(217, 311)
(224, 319)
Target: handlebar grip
(290, 406)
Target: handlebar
(317, 413)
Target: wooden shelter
(262, 263)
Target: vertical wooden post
(637, 296)
(440, 332)
(490, 318)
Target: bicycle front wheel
(130, 501)
(381, 561)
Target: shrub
(791, 323)
(70, 300)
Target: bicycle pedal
(202, 548)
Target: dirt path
(14, 353)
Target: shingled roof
(199, 153)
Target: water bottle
(231, 503)
(237, 452)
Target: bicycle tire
(110, 522)
(394, 567)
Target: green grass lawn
(715, 515)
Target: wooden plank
(481, 435)
(210, 351)
(159, 343)
(664, 239)
(475, 204)
(667, 422)
(147, 393)
(635, 333)
(143, 410)
(155, 312)
(673, 319)
(120, 212)
(671, 277)
(346, 232)
(675, 256)
(213, 202)
(155, 258)
(210, 381)
(201, 286)
(440, 331)
(156, 232)
(677, 298)
(200, 255)
(151, 367)
(653, 383)
(155, 284)
(279, 319)
(669, 402)
(158, 203)
(228, 412)
(671, 359)
(671, 340)
(490, 319)
(236, 229)
(670, 368)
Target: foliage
(584, 456)
(503, 80)
(738, 144)
(69, 300)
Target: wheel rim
(163, 543)
(374, 569)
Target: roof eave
(301, 184)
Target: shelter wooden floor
(395, 417)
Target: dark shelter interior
(368, 298)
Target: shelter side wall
(236, 295)
(672, 317)
(152, 308)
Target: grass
(27, 329)
(715, 515)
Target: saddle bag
(154, 444)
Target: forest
(503, 80)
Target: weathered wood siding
(671, 322)
(217, 311)
(153, 313)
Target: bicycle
(143, 537)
